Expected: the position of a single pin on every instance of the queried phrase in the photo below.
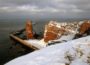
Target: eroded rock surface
(84, 27)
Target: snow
(37, 43)
(75, 52)
(41, 44)
(64, 38)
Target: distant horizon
(43, 20)
(44, 9)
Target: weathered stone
(55, 30)
(52, 32)
(84, 27)
(29, 30)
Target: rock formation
(84, 27)
(29, 30)
(54, 30)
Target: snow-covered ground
(75, 52)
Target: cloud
(47, 8)
(35, 9)
(32, 9)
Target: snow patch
(37, 43)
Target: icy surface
(75, 52)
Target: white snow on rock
(37, 43)
(70, 27)
(41, 44)
(75, 52)
(64, 38)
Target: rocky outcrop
(84, 27)
(54, 30)
(51, 31)
(29, 30)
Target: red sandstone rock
(29, 30)
(52, 32)
(84, 27)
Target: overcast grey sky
(45, 8)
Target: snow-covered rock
(42, 44)
(75, 52)
(63, 38)
(54, 30)
(36, 43)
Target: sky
(39, 9)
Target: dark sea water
(8, 50)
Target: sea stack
(29, 30)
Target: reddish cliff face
(52, 32)
(84, 27)
(29, 30)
